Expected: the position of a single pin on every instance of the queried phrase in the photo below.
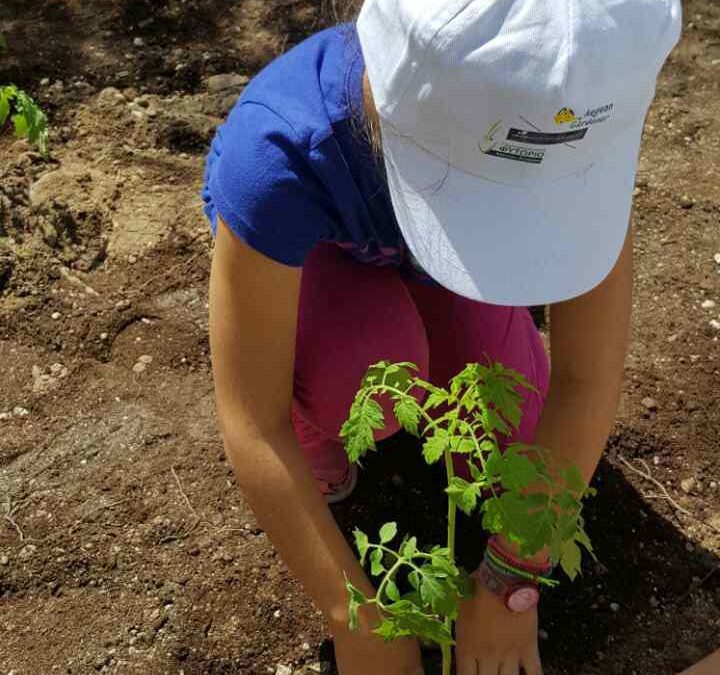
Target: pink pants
(352, 315)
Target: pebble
(5, 415)
(19, 411)
(139, 42)
(649, 403)
(103, 336)
(543, 634)
(614, 607)
(132, 259)
(283, 670)
(713, 485)
(656, 460)
(305, 646)
(276, 613)
(218, 83)
(714, 323)
(55, 316)
(27, 551)
(688, 485)
(716, 258)
(145, 358)
(139, 367)
(654, 602)
(4, 560)
(708, 304)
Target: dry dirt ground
(125, 545)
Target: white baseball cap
(511, 132)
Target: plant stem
(452, 510)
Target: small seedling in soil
(29, 121)
(527, 502)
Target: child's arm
(708, 666)
(253, 315)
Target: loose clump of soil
(125, 545)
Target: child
(403, 188)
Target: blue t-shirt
(291, 165)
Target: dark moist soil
(125, 544)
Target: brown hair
(371, 119)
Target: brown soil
(125, 545)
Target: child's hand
(491, 639)
(361, 652)
(708, 666)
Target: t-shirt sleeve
(259, 179)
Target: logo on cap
(565, 116)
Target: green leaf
(435, 446)
(408, 414)
(388, 532)
(414, 579)
(570, 560)
(6, 95)
(574, 480)
(438, 594)
(362, 543)
(376, 565)
(582, 538)
(476, 473)
(436, 399)
(409, 548)
(357, 598)
(392, 590)
(21, 125)
(406, 619)
(465, 585)
(463, 494)
(517, 472)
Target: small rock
(713, 485)
(283, 670)
(714, 323)
(45, 82)
(656, 460)
(55, 316)
(305, 646)
(132, 259)
(614, 607)
(543, 634)
(688, 485)
(145, 358)
(103, 336)
(110, 95)
(708, 304)
(4, 560)
(649, 403)
(19, 411)
(218, 83)
(56, 368)
(276, 613)
(716, 258)
(139, 42)
(687, 202)
(5, 415)
(139, 367)
(654, 602)
(714, 520)
(27, 552)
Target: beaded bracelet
(505, 569)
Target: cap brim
(508, 245)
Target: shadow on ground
(645, 573)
